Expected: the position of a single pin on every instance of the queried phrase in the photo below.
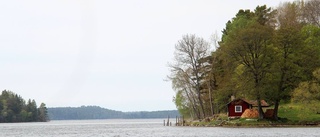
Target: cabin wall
(231, 108)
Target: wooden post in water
(164, 122)
(176, 120)
(168, 121)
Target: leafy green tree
(24, 115)
(308, 93)
(248, 44)
(222, 79)
(287, 47)
(43, 113)
(184, 105)
(296, 53)
(310, 60)
(32, 110)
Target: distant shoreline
(96, 112)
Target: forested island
(265, 54)
(96, 112)
(13, 108)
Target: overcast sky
(111, 53)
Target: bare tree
(188, 52)
(181, 83)
(312, 12)
(215, 40)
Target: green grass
(289, 114)
(298, 113)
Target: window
(238, 109)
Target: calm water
(138, 128)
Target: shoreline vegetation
(266, 54)
(290, 115)
(249, 123)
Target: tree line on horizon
(270, 54)
(96, 112)
(13, 108)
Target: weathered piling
(176, 120)
(179, 121)
(168, 122)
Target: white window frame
(235, 109)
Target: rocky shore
(224, 121)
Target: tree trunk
(275, 109)
(280, 89)
(198, 88)
(201, 104)
(258, 97)
(199, 94)
(260, 108)
(193, 106)
(211, 104)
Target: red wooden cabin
(237, 106)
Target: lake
(139, 128)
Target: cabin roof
(254, 103)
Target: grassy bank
(298, 113)
(290, 115)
